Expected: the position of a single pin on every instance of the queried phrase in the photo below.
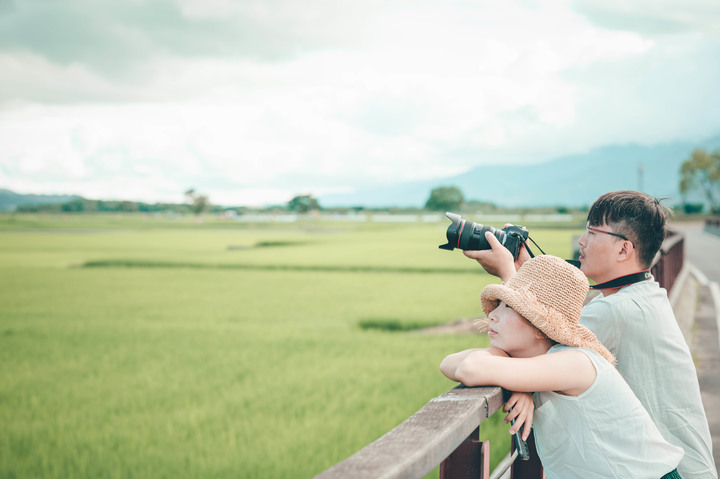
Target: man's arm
(498, 261)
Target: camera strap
(619, 282)
(528, 248)
(623, 281)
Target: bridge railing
(669, 260)
(446, 431)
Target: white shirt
(638, 326)
(602, 433)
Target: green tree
(303, 204)
(198, 203)
(128, 206)
(701, 172)
(445, 198)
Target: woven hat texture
(549, 292)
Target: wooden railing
(446, 431)
(669, 260)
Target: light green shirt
(638, 326)
(602, 433)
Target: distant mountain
(572, 181)
(10, 200)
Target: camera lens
(476, 240)
(467, 235)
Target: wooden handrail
(669, 260)
(425, 439)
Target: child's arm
(449, 365)
(520, 403)
(569, 372)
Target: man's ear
(626, 252)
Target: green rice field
(151, 347)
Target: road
(702, 254)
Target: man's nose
(582, 240)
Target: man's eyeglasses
(596, 230)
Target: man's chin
(584, 269)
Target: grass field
(148, 348)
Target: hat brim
(551, 322)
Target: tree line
(196, 203)
(441, 199)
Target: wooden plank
(531, 469)
(424, 440)
(471, 459)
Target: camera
(466, 235)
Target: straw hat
(549, 292)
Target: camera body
(467, 235)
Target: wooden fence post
(530, 469)
(471, 460)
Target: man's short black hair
(638, 216)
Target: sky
(252, 102)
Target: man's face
(599, 248)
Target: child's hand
(520, 407)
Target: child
(587, 421)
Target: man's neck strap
(623, 281)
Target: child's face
(511, 332)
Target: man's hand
(498, 261)
(520, 407)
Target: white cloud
(424, 89)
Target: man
(633, 318)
